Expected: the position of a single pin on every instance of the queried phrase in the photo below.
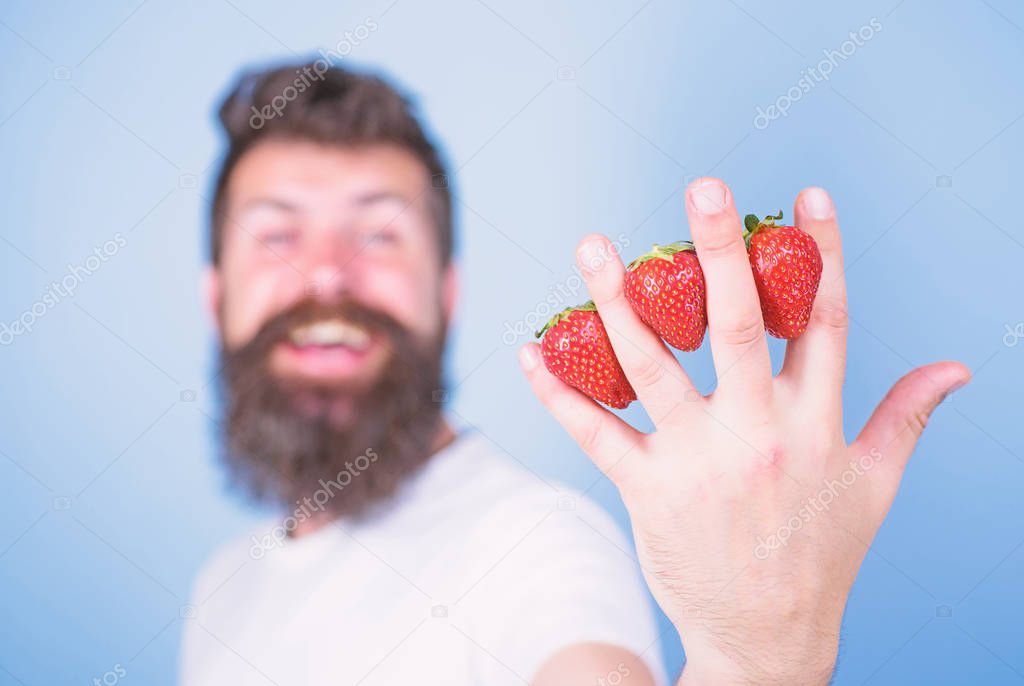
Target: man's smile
(330, 349)
(330, 333)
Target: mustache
(278, 328)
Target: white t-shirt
(477, 574)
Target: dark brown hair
(321, 103)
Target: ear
(450, 290)
(211, 287)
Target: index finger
(660, 383)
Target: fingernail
(818, 204)
(591, 256)
(528, 358)
(708, 197)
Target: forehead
(312, 173)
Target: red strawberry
(787, 269)
(666, 288)
(576, 349)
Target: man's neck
(443, 437)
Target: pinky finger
(603, 436)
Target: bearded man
(408, 552)
(405, 551)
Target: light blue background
(111, 496)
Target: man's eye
(278, 238)
(381, 237)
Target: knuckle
(645, 373)
(755, 470)
(609, 297)
(905, 405)
(606, 291)
(823, 439)
(721, 243)
(831, 313)
(917, 420)
(590, 436)
(748, 331)
(768, 465)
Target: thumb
(900, 418)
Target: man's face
(332, 306)
(306, 221)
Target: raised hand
(751, 512)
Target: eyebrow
(380, 197)
(268, 203)
(365, 200)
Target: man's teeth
(330, 332)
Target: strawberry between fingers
(787, 269)
(666, 289)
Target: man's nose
(330, 266)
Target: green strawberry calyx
(588, 306)
(752, 225)
(661, 252)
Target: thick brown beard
(282, 440)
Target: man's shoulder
(497, 484)
(473, 492)
(228, 558)
(509, 500)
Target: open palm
(751, 512)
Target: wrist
(800, 663)
(701, 675)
